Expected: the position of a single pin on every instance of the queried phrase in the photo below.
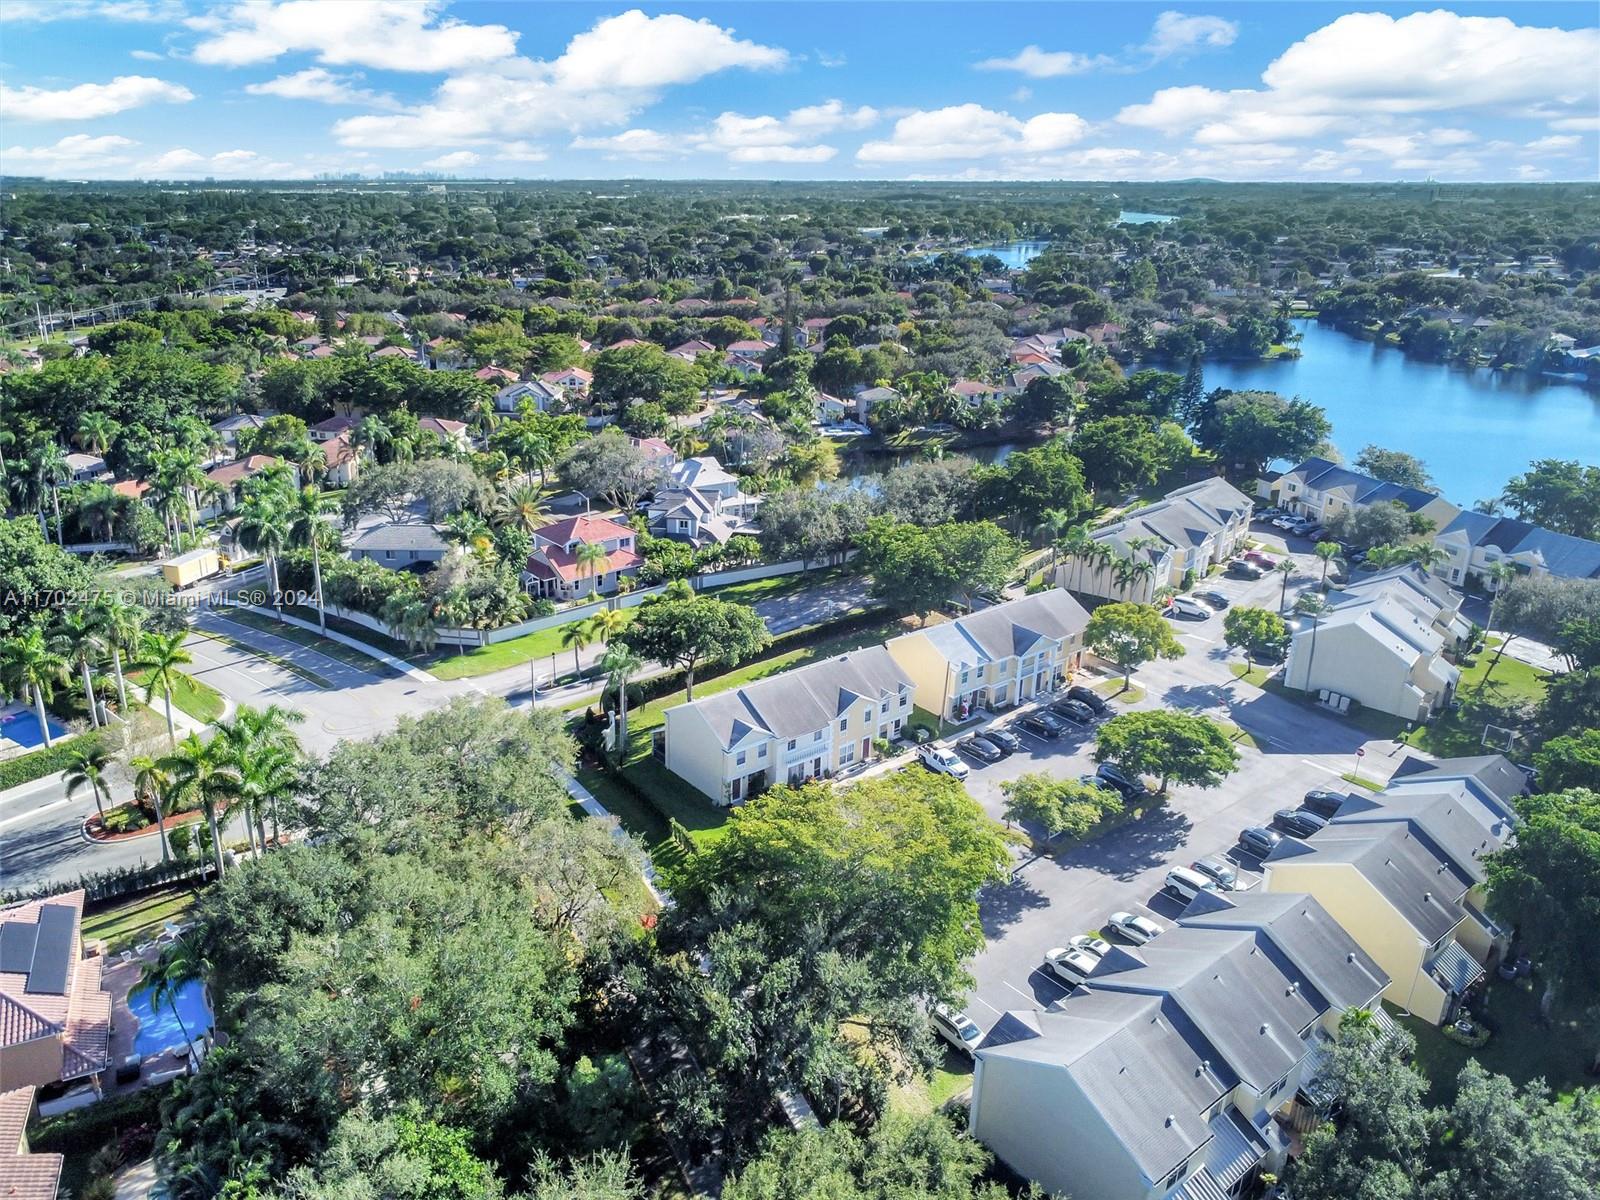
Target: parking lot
(1051, 898)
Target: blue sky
(294, 88)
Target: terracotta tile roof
(443, 426)
(23, 1176)
(231, 473)
(334, 425)
(132, 488)
(555, 561)
(586, 527)
(338, 450)
(496, 374)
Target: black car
(1095, 781)
(1115, 777)
(1259, 840)
(1324, 802)
(1075, 711)
(980, 748)
(1042, 724)
(1087, 696)
(1297, 823)
(1215, 599)
(1239, 569)
(1003, 740)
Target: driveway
(813, 605)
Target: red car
(1260, 559)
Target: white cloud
(79, 153)
(395, 35)
(634, 51)
(604, 76)
(453, 161)
(1046, 64)
(791, 138)
(147, 55)
(1527, 171)
(1556, 143)
(89, 100)
(183, 163)
(174, 161)
(321, 85)
(1367, 67)
(143, 11)
(1178, 33)
(644, 144)
(1581, 124)
(972, 131)
(522, 152)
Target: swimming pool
(23, 729)
(159, 1029)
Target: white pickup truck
(942, 760)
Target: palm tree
(1499, 574)
(86, 768)
(1427, 555)
(1055, 522)
(260, 745)
(30, 665)
(1327, 552)
(264, 529)
(520, 507)
(621, 664)
(411, 619)
(150, 784)
(120, 624)
(1286, 570)
(176, 966)
(51, 470)
(308, 530)
(78, 636)
(162, 654)
(96, 431)
(607, 623)
(590, 557)
(201, 771)
(578, 636)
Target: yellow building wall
(1374, 924)
(926, 667)
(36, 1063)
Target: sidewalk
(388, 660)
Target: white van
(1186, 884)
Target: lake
(1474, 428)
(1015, 255)
(1139, 218)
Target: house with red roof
(24, 1175)
(446, 430)
(570, 379)
(692, 348)
(231, 478)
(498, 376)
(553, 568)
(326, 431)
(341, 462)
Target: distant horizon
(755, 181)
(1002, 92)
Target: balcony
(1454, 968)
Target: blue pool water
(23, 729)
(159, 1029)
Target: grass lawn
(338, 651)
(125, 923)
(200, 700)
(497, 656)
(1512, 687)
(1522, 1048)
(950, 1078)
(1369, 720)
(1112, 689)
(1251, 673)
(753, 590)
(1366, 781)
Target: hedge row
(39, 763)
(122, 881)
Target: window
(904, 699)
(791, 743)
(817, 736)
(848, 754)
(761, 751)
(844, 724)
(964, 676)
(883, 709)
(739, 761)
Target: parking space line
(986, 1004)
(1320, 767)
(1026, 996)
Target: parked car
(1215, 599)
(1259, 840)
(956, 1028)
(980, 748)
(1003, 740)
(1090, 944)
(1042, 724)
(1183, 606)
(1239, 569)
(1186, 884)
(1117, 778)
(1135, 928)
(1324, 802)
(1305, 529)
(1287, 521)
(1219, 870)
(1265, 561)
(1297, 822)
(1097, 782)
(1075, 711)
(1071, 967)
(1088, 696)
(942, 760)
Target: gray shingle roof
(1456, 827)
(1320, 475)
(400, 535)
(1012, 628)
(1183, 518)
(803, 700)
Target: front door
(866, 749)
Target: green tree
(620, 665)
(309, 530)
(1121, 453)
(1247, 430)
(1263, 635)
(642, 373)
(1394, 466)
(161, 654)
(1057, 805)
(1560, 494)
(203, 773)
(1174, 746)
(30, 666)
(1327, 553)
(1130, 635)
(691, 633)
(263, 528)
(609, 466)
(164, 977)
(86, 768)
(1547, 882)
(920, 568)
